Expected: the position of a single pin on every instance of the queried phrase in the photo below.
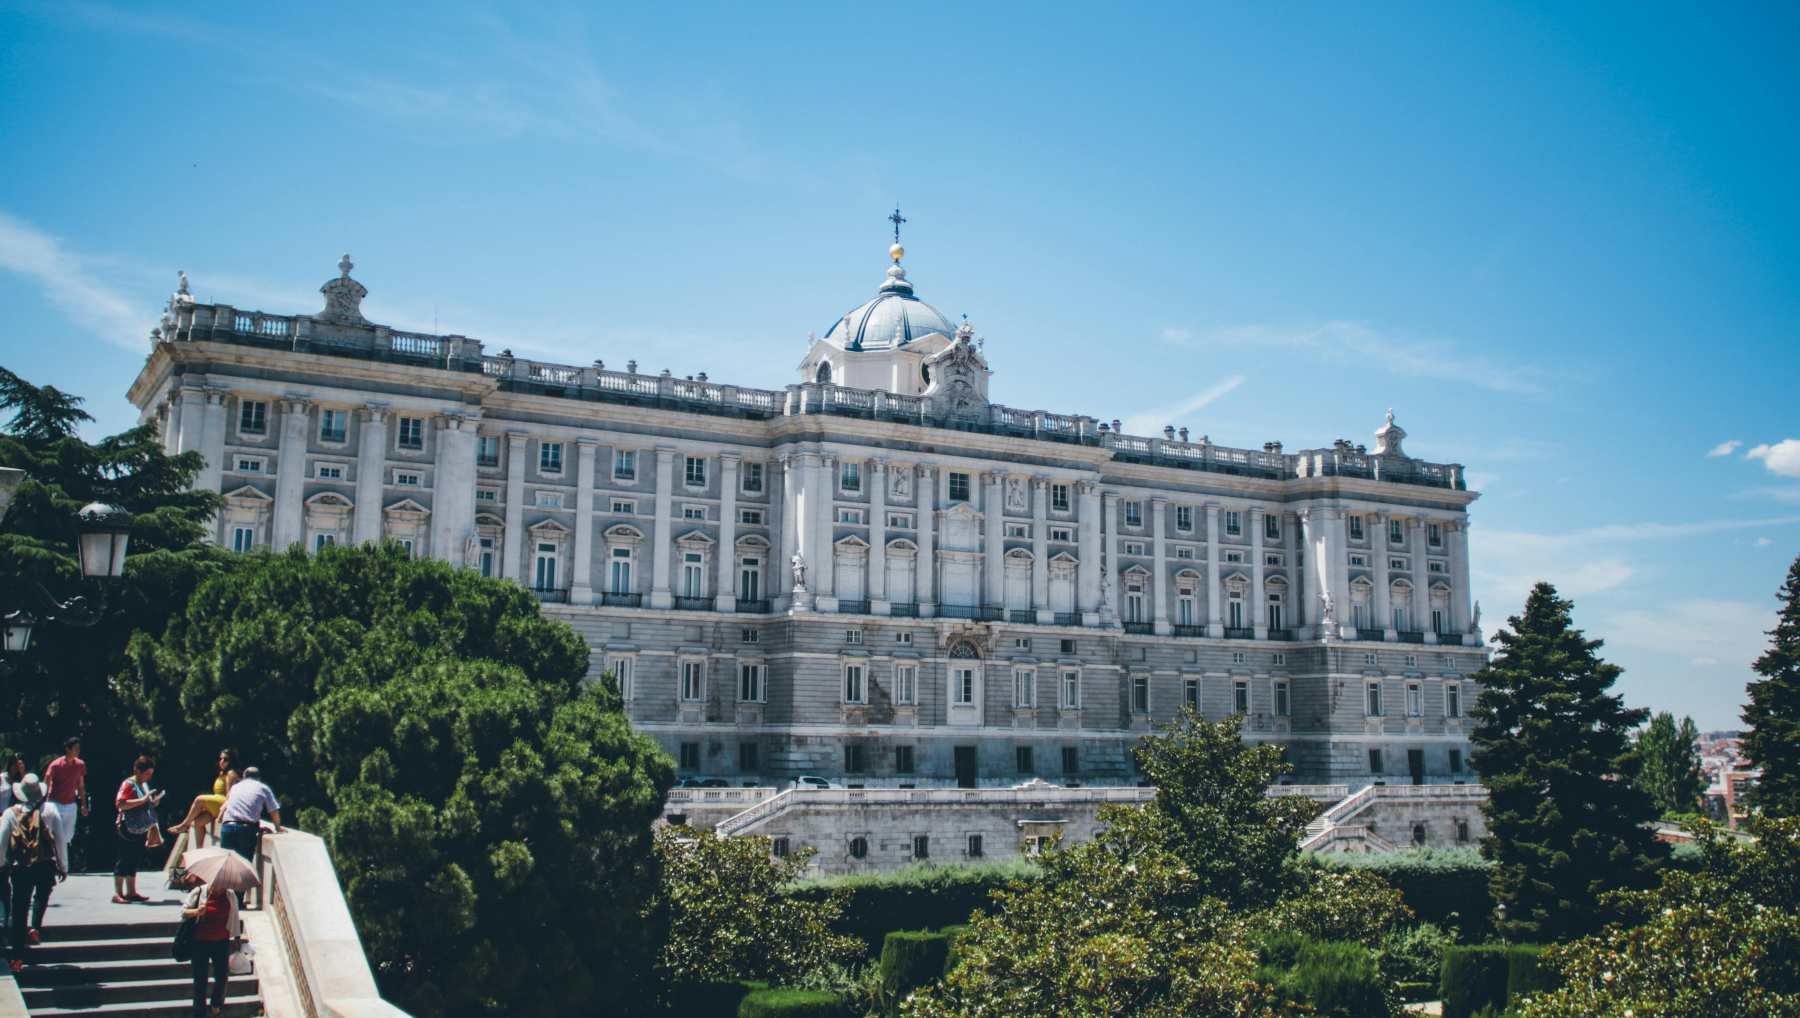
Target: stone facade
(893, 582)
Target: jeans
(240, 838)
(61, 817)
(216, 953)
(31, 887)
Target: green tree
(1717, 942)
(1773, 714)
(1565, 813)
(728, 919)
(1671, 763)
(435, 728)
(64, 685)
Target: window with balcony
(1276, 620)
(619, 576)
(334, 426)
(959, 486)
(1234, 523)
(253, 417)
(409, 433)
(624, 465)
(750, 478)
(750, 579)
(694, 472)
(1186, 613)
(544, 566)
(1059, 498)
(693, 574)
(242, 539)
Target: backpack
(31, 843)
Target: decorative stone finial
(965, 331)
(343, 296)
(181, 285)
(345, 265)
(1388, 437)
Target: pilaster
(824, 483)
(1259, 597)
(661, 540)
(1460, 607)
(993, 520)
(1159, 552)
(925, 568)
(1087, 570)
(876, 583)
(371, 471)
(1384, 589)
(453, 489)
(1040, 550)
(516, 565)
(1110, 577)
(1421, 579)
(1313, 544)
(1215, 592)
(726, 592)
(581, 588)
(290, 474)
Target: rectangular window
(1415, 700)
(693, 681)
(853, 684)
(1240, 697)
(750, 683)
(249, 464)
(1375, 766)
(1272, 559)
(1452, 700)
(779, 847)
(242, 539)
(1237, 657)
(754, 517)
(407, 479)
(1184, 552)
(1140, 694)
(1279, 658)
(693, 574)
(850, 476)
(1066, 645)
(959, 487)
(900, 521)
(253, 417)
(853, 636)
(903, 637)
(1282, 706)
(329, 472)
(1071, 761)
(407, 544)
(1071, 689)
(485, 556)
(621, 668)
(544, 575)
(1134, 514)
(1063, 535)
(323, 541)
(1021, 643)
(1024, 687)
(1359, 560)
(1412, 660)
(693, 512)
(1133, 548)
(1434, 566)
(855, 760)
(906, 684)
(690, 756)
(1022, 759)
(1272, 528)
(1396, 563)
(1373, 705)
(620, 576)
(974, 846)
(1019, 530)
(903, 759)
(1356, 528)
(1184, 518)
(624, 506)
(410, 433)
(550, 457)
(851, 516)
(962, 686)
(1059, 498)
(750, 478)
(1234, 522)
(624, 465)
(1437, 620)
(749, 636)
(1434, 535)
(1234, 556)
(694, 474)
(487, 451)
(1190, 693)
(549, 500)
(334, 425)
(921, 846)
(1396, 532)
(747, 757)
(1456, 761)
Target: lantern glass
(16, 630)
(105, 531)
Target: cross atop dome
(896, 219)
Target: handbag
(154, 838)
(242, 960)
(184, 940)
(138, 821)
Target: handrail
(781, 803)
(330, 972)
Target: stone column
(581, 584)
(661, 540)
(925, 566)
(877, 579)
(1040, 549)
(1421, 580)
(1259, 598)
(1336, 569)
(782, 499)
(1109, 519)
(803, 527)
(1311, 544)
(1159, 553)
(170, 425)
(1378, 565)
(823, 484)
(993, 559)
(371, 472)
(1460, 608)
(1302, 611)
(1215, 592)
(290, 475)
(726, 594)
(1087, 571)
(191, 428)
(453, 489)
(515, 565)
(212, 446)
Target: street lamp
(16, 630)
(105, 531)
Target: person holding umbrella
(214, 874)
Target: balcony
(1411, 636)
(1453, 639)
(1375, 635)
(694, 604)
(1191, 632)
(1024, 616)
(1065, 619)
(753, 607)
(619, 599)
(551, 596)
(904, 610)
(852, 607)
(1281, 634)
(1140, 628)
(980, 613)
(1236, 633)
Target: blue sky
(1562, 242)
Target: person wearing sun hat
(30, 846)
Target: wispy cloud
(1701, 631)
(1151, 421)
(66, 281)
(1782, 458)
(1725, 448)
(1763, 542)
(1341, 341)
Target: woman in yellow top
(205, 808)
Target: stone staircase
(98, 958)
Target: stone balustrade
(327, 970)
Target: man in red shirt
(67, 778)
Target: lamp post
(15, 628)
(105, 533)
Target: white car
(806, 781)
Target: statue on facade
(1015, 494)
(1106, 593)
(900, 482)
(1327, 612)
(472, 551)
(798, 565)
(1478, 616)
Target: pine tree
(1671, 770)
(1566, 817)
(1774, 710)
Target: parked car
(811, 781)
(704, 783)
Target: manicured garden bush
(1526, 973)
(793, 1004)
(1340, 980)
(708, 998)
(1444, 886)
(914, 898)
(1474, 977)
(911, 959)
(1415, 954)
(954, 954)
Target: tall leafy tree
(1774, 710)
(488, 810)
(1565, 813)
(1671, 763)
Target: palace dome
(892, 318)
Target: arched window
(859, 847)
(823, 375)
(1418, 834)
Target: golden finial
(896, 252)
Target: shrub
(1474, 977)
(1444, 886)
(911, 959)
(793, 1004)
(707, 998)
(954, 934)
(1415, 954)
(1526, 973)
(914, 898)
(1339, 979)
(1328, 905)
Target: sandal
(119, 899)
(136, 897)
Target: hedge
(793, 1004)
(1526, 972)
(1474, 977)
(911, 959)
(709, 999)
(1339, 979)
(1446, 886)
(914, 898)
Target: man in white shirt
(240, 820)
